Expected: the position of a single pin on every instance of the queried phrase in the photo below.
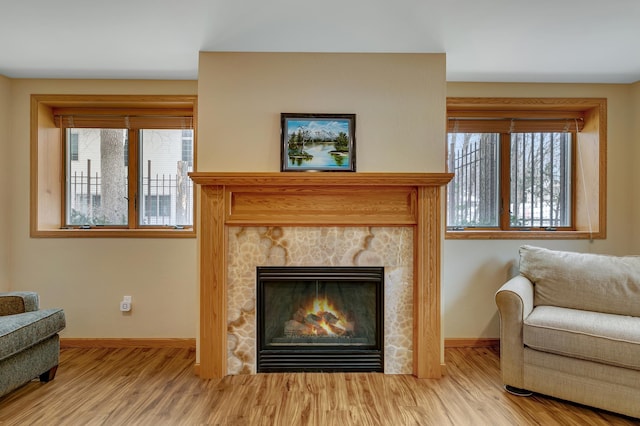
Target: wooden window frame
(588, 167)
(48, 158)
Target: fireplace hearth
(320, 319)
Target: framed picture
(318, 142)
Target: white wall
(5, 163)
(398, 99)
(634, 149)
(474, 270)
(88, 277)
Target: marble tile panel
(250, 247)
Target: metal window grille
(472, 195)
(84, 197)
(540, 191)
(168, 200)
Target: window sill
(114, 233)
(521, 235)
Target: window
(123, 162)
(516, 169)
(105, 171)
(541, 190)
(163, 179)
(102, 174)
(539, 184)
(473, 195)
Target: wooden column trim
(426, 287)
(213, 289)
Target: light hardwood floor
(135, 386)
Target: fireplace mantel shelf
(320, 199)
(270, 179)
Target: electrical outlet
(125, 305)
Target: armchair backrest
(586, 281)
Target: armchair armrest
(515, 302)
(18, 302)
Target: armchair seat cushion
(24, 330)
(594, 336)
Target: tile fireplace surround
(320, 219)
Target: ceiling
(485, 40)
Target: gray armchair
(29, 342)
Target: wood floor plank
(155, 386)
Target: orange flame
(320, 306)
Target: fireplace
(272, 202)
(320, 319)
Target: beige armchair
(570, 328)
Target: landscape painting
(318, 142)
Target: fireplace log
(328, 317)
(337, 330)
(312, 319)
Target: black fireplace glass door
(319, 312)
(320, 319)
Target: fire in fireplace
(320, 319)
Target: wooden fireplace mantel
(320, 199)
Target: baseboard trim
(470, 343)
(179, 343)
